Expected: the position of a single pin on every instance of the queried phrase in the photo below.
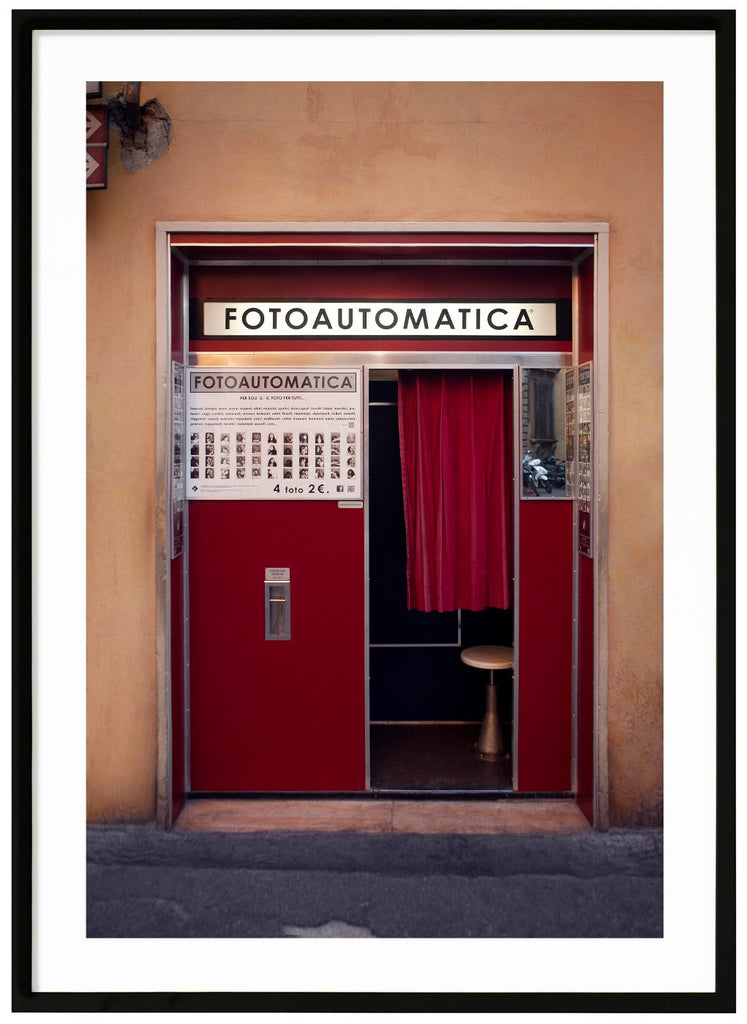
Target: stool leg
(490, 742)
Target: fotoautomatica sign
(274, 434)
(414, 318)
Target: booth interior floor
(435, 757)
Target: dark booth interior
(425, 705)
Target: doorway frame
(445, 360)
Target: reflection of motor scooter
(555, 472)
(527, 475)
(535, 474)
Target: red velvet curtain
(455, 432)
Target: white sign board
(274, 434)
(363, 318)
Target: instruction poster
(274, 434)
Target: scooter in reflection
(555, 472)
(535, 474)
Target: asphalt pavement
(144, 882)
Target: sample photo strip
(238, 455)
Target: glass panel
(543, 433)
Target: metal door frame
(391, 360)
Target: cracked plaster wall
(390, 152)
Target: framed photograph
(351, 118)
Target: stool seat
(489, 746)
(490, 657)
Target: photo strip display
(280, 434)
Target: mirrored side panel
(544, 434)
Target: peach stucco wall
(421, 152)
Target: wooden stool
(490, 744)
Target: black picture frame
(722, 23)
